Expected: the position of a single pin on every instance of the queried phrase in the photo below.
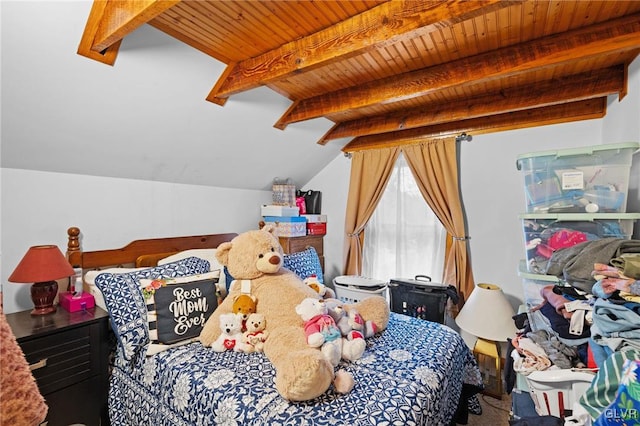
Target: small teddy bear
(322, 290)
(359, 328)
(350, 320)
(244, 305)
(353, 327)
(231, 336)
(256, 335)
(320, 329)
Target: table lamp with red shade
(42, 265)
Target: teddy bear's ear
(222, 253)
(269, 228)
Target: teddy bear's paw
(343, 382)
(370, 329)
(305, 375)
(353, 349)
(218, 346)
(315, 340)
(332, 351)
(242, 347)
(354, 334)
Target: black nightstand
(68, 354)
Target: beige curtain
(434, 165)
(370, 172)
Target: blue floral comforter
(411, 374)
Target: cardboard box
(74, 304)
(322, 218)
(272, 210)
(316, 228)
(292, 226)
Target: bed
(416, 372)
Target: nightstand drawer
(62, 359)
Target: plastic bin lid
(524, 273)
(581, 216)
(358, 281)
(587, 150)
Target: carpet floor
(495, 412)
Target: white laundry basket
(353, 288)
(554, 391)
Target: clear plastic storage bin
(591, 179)
(546, 233)
(533, 283)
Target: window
(403, 238)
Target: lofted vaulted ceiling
(391, 72)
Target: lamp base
(487, 353)
(43, 294)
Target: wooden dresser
(296, 244)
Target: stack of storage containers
(572, 195)
(286, 220)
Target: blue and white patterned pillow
(304, 264)
(126, 305)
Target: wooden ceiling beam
(616, 35)
(378, 27)
(562, 113)
(85, 48)
(571, 88)
(110, 21)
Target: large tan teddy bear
(254, 259)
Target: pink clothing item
(323, 324)
(611, 278)
(556, 300)
(566, 238)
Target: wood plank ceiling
(393, 72)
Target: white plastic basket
(352, 288)
(555, 391)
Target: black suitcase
(421, 298)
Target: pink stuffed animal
(360, 328)
(320, 328)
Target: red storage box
(316, 228)
(74, 304)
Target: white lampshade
(487, 314)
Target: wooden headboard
(139, 252)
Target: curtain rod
(464, 137)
